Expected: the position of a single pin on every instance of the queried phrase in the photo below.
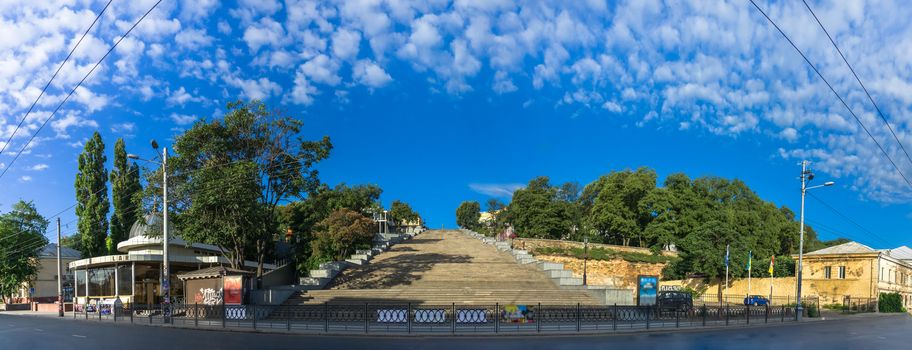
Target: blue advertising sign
(646, 289)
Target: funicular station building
(135, 276)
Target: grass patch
(605, 254)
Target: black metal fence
(712, 298)
(856, 305)
(438, 319)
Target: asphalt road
(858, 332)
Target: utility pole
(59, 275)
(805, 173)
(585, 257)
(166, 276)
(806, 176)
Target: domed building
(135, 276)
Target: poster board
(647, 287)
(234, 290)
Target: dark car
(674, 301)
(756, 300)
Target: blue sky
(439, 102)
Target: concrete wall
(284, 275)
(612, 273)
(782, 286)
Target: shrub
(890, 302)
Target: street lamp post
(806, 176)
(166, 275)
(585, 257)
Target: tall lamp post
(806, 177)
(166, 275)
(585, 257)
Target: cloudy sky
(441, 101)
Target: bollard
(325, 318)
(704, 315)
(614, 325)
(287, 321)
(579, 317)
(766, 317)
(224, 312)
(131, 314)
(454, 318)
(196, 311)
(726, 315)
(782, 314)
(647, 317)
(366, 320)
(677, 318)
(254, 316)
(496, 317)
(408, 317)
(538, 318)
(748, 316)
(98, 310)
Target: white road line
(39, 329)
(79, 336)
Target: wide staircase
(443, 267)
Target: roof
(211, 272)
(901, 253)
(50, 251)
(845, 248)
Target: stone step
(559, 273)
(323, 273)
(568, 281)
(358, 262)
(548, 266)
(529, 260)
(364, 257)
(520, 252)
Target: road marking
(79, 336)
(39, 329)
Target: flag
(749, 254)
(726, 256)
(772, 261)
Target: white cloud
(193, 39)
(346, 43)
(370, 74)
(25, 178)
(123, 128)
(322, 69)
(182, 119)
(70, 120)
(181, 97)
(38, 167)
(267, 32)
(496, 190)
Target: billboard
(646, 289)
(233, 290)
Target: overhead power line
(879, 112)
(111, 49)
(846, 105)
(43, 90)
(848, 219)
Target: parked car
(674, 301)
(756, 300)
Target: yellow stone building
(856, 270)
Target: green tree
(339, 235)
(92, 197)
(126, 194)
(18, 260)
(467, 215)
(302, 216)
(402, 212)
(541, 211)
(254, 155)
(616, 214)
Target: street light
(585, 257)
(806, 176)
(166, 275)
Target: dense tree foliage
(230, 174)
(302, 216)
(340, 234)
(541, 210)
(126, 194)
(467, 214)
(698, 216)
(402, 212)
(92, 197)
(22, 237)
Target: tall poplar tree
(125, 194)
(92, 197)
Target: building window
(827, 272)
(842, 272)
(101, 281)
